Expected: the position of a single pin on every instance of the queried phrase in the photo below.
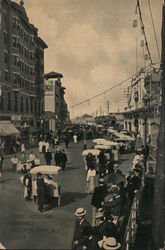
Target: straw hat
(111, 244)
(99, 215)
(80, 212)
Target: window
(31, 104)
(35, 107)
(6, 76)
(27, 107)
(16, 103)
(9, 102)
(21, 104)
(6, 57)
(5, 37)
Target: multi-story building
(56, 111)
(21, 66)
(144, 101)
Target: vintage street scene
(82, 90)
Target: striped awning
(7, 128)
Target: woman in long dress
(91, 176)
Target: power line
(143, 30)
(156, 40)
(102, 93)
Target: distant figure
(22, 148)
(63, 159)
(1, 163)
(40, 191)
(28, 185)
(14, 161)
(67, 140)
(48, 157)
(57, 157)
(36, 161)
(75, 138)
(91, 175)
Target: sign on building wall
(48, 87)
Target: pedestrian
(80, 223)
(48, 157)
(41, 188)
(40, 146)
(75, 138)
(32, 158)
(91, 176)
(89, 239)
(109, 243)
(14, 161)
(1, 163)
(22, 148)
(47, 146)
(63, 159)
(34, 189)
(67, 140)
(91, 161)
(57, 157)
(99, 194)
(36, 161)
(28, 185)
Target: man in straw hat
(110, 243)
(80, 223)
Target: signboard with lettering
(49, 88)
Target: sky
(93, 44)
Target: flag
(135, 23)
(146, 57)
(142, 43)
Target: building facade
(56, 111)
(142, 114)
(21, 67)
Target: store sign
(49, 88)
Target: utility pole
(158, 229)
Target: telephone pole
(158, 228)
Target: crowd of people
(112, 195)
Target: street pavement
(22, 226)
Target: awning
(7, 128)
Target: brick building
(21, 67)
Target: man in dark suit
(40, 191)
(99, 194)
(48, 157)
(80, 223)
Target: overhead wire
(156, 40)
(116, 85)
(143, 30)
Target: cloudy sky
(93, 44)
